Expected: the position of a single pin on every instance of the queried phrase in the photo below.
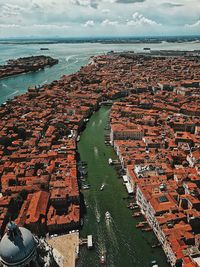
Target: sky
(94, 18)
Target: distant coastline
(108, 40)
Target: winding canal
(125, 245)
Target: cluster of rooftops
(155, 131)
(26, 64)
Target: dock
(127, 184)
(87, 241)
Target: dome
(17, 245)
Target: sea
(71, 58)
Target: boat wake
(96, 151)
(111, 231)
(73, 59)
(44, 82)
(97, 213)
(14, 93)
(100, 122)
(67, 59)
(4, 85)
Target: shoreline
(25, 65)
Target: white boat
(154, 263)
(98, 218)
(78, 138)
(102, 186)
(85, 186)
(107, 216)
(110, 161)
(103, 258)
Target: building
(18, 247)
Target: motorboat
(110, 161)
(98, 218)
(86, 186)
(102, 186)
(154, 263)
(107, 216)
(103, 258)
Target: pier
(87, 241)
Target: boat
(86, 186)
(103, 258)
(78, 138)
(136, 214)
(140, 225)
(102, 186)
(44, 48)
(110, 161)
(148, 229)
(156, 245)
(154, 263)
(107, 216)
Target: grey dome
(18, 248)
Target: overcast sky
(77, 18)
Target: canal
(125, 245)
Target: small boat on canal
(86, 186)
(136, 214)
(154, 263)
(102, 186)
(103, 258)
(107, 216)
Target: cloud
(7, 26)
(139, 19)
(196, 24)
(91, 3)
(9, 10)
(50, 26)
(89, 23)
(99, 17)
(171, 5)
(95, 3)
(105, 11)
(129, 1)
(108, 22)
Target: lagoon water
(71, 58)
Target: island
(26, 64)
(154, 129)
